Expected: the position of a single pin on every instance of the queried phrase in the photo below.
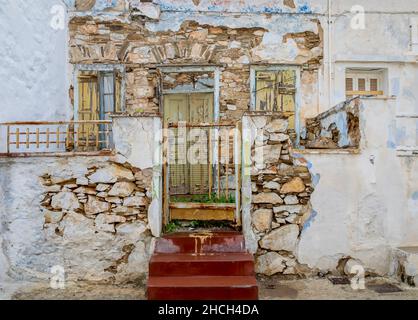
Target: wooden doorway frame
(164, 69)
(180, 108)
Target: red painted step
(216, 264)
(201, 243)
(202, 266)
(202, 288)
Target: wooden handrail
(201, 125)
(42, 135)
(35, 123)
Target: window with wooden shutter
(361, 84)
(275, 88)
(364, 82)
(349, 84)
(374, 84)
(99, 94)
(275, 91)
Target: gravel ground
(323, 289)
(270, 289)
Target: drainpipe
(329, 54)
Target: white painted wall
(33, 63)
(365, 204)
(139, 140)
(364, 209)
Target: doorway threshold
(191, 211)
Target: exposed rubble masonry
(141, 51)
(110, 200)
(336, 128)
(281, 186)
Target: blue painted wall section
(188, 6)
(310, 220)
(105, 4)
(304, 9)
(315, 177)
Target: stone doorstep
(202, 266)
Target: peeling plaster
(309, 221)
(242, 6)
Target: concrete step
(202, 266)
(207, 242)
(203, 288)
(217, 264)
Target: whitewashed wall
(33, 67)
(33, 64)
(30, 247)
(365, 203)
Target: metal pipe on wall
(329, 53)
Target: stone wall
(88, 215)
(109, 195)
(404, 265)
(281, 187)
(141, 50)
(141, 45)
(339, 127)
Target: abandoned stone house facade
(84, 182)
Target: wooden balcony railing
(55, 136)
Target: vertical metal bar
(97, 136)
(210, 173)
(252, 89)
(47, 138)
(219, 165)
(298, 106)
(227, 163)
(107, 136)
(37, 138)
(58, 137)
(17, 138)
(201, 188)
(77, 136)
(216, 94)
(87, 138)
(166, 175)
(102, 102)
(237, 154)
(27, 138)
(67, 140)
(114, 91)
(188, 168)
(8, 139)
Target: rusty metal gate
(202, 165)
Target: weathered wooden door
(187, 178)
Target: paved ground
(79, 291)
(323, 289)
(271, 289)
